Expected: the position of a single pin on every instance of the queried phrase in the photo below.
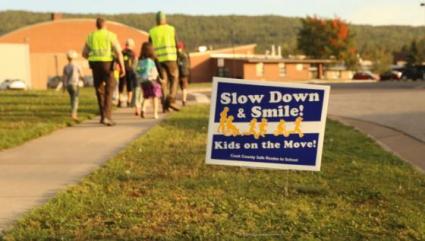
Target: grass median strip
(200, 85)
(160, 189)
(25, 115)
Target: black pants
(129, 81)
(104, 84)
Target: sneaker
(155, 116)
(74, 117)
(184, 103)
(142, 114)
(174, 107)
(108, 122)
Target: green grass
(200, 85)
(160, 189)
(25, 115)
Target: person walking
(128, 81)
(100, 49)
(163, 39)
(71, 77)
(183, 61)
(149, 78)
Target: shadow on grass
(19, 94)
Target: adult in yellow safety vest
(102, 49)
(163, 39)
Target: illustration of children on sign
(253, 129)
(297, 129)
(223, 120)
(263, 128)
(281, 129)
(231, 129)
(227, 127)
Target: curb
(200, 98)
(407, 148)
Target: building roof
(59, 36)
(238, 48)
(255, 58)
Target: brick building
(271, 68)
(204, 65)
(49, 41)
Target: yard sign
(267, 124)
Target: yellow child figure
(223, 120)
(231, 128)
(253, 129)
(281, 129)
(263, 128)
(297, 128)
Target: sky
(375, 12)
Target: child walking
(148, 76)
(183, 61)
(71, 77)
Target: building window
(282, 70)
(220, 62)
(259, 69)
(299, 67)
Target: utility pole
(423, 5)
(232, 38)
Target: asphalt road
(397, 105)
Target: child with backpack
(148, 77)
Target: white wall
(15, 62)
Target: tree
(412, 55)
(264, 30)
(382, 60)
(421, 52)
(326, 38)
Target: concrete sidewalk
(33, 172)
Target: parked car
(414, 73)
(88, 80)
(55, 82)
(391, 75)
(13, 84)
(365, 75)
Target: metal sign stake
(287, 184)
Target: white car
(14, 84)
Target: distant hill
(220, 31)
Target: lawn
(200, 85)
(25, 115)
(160, 189)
